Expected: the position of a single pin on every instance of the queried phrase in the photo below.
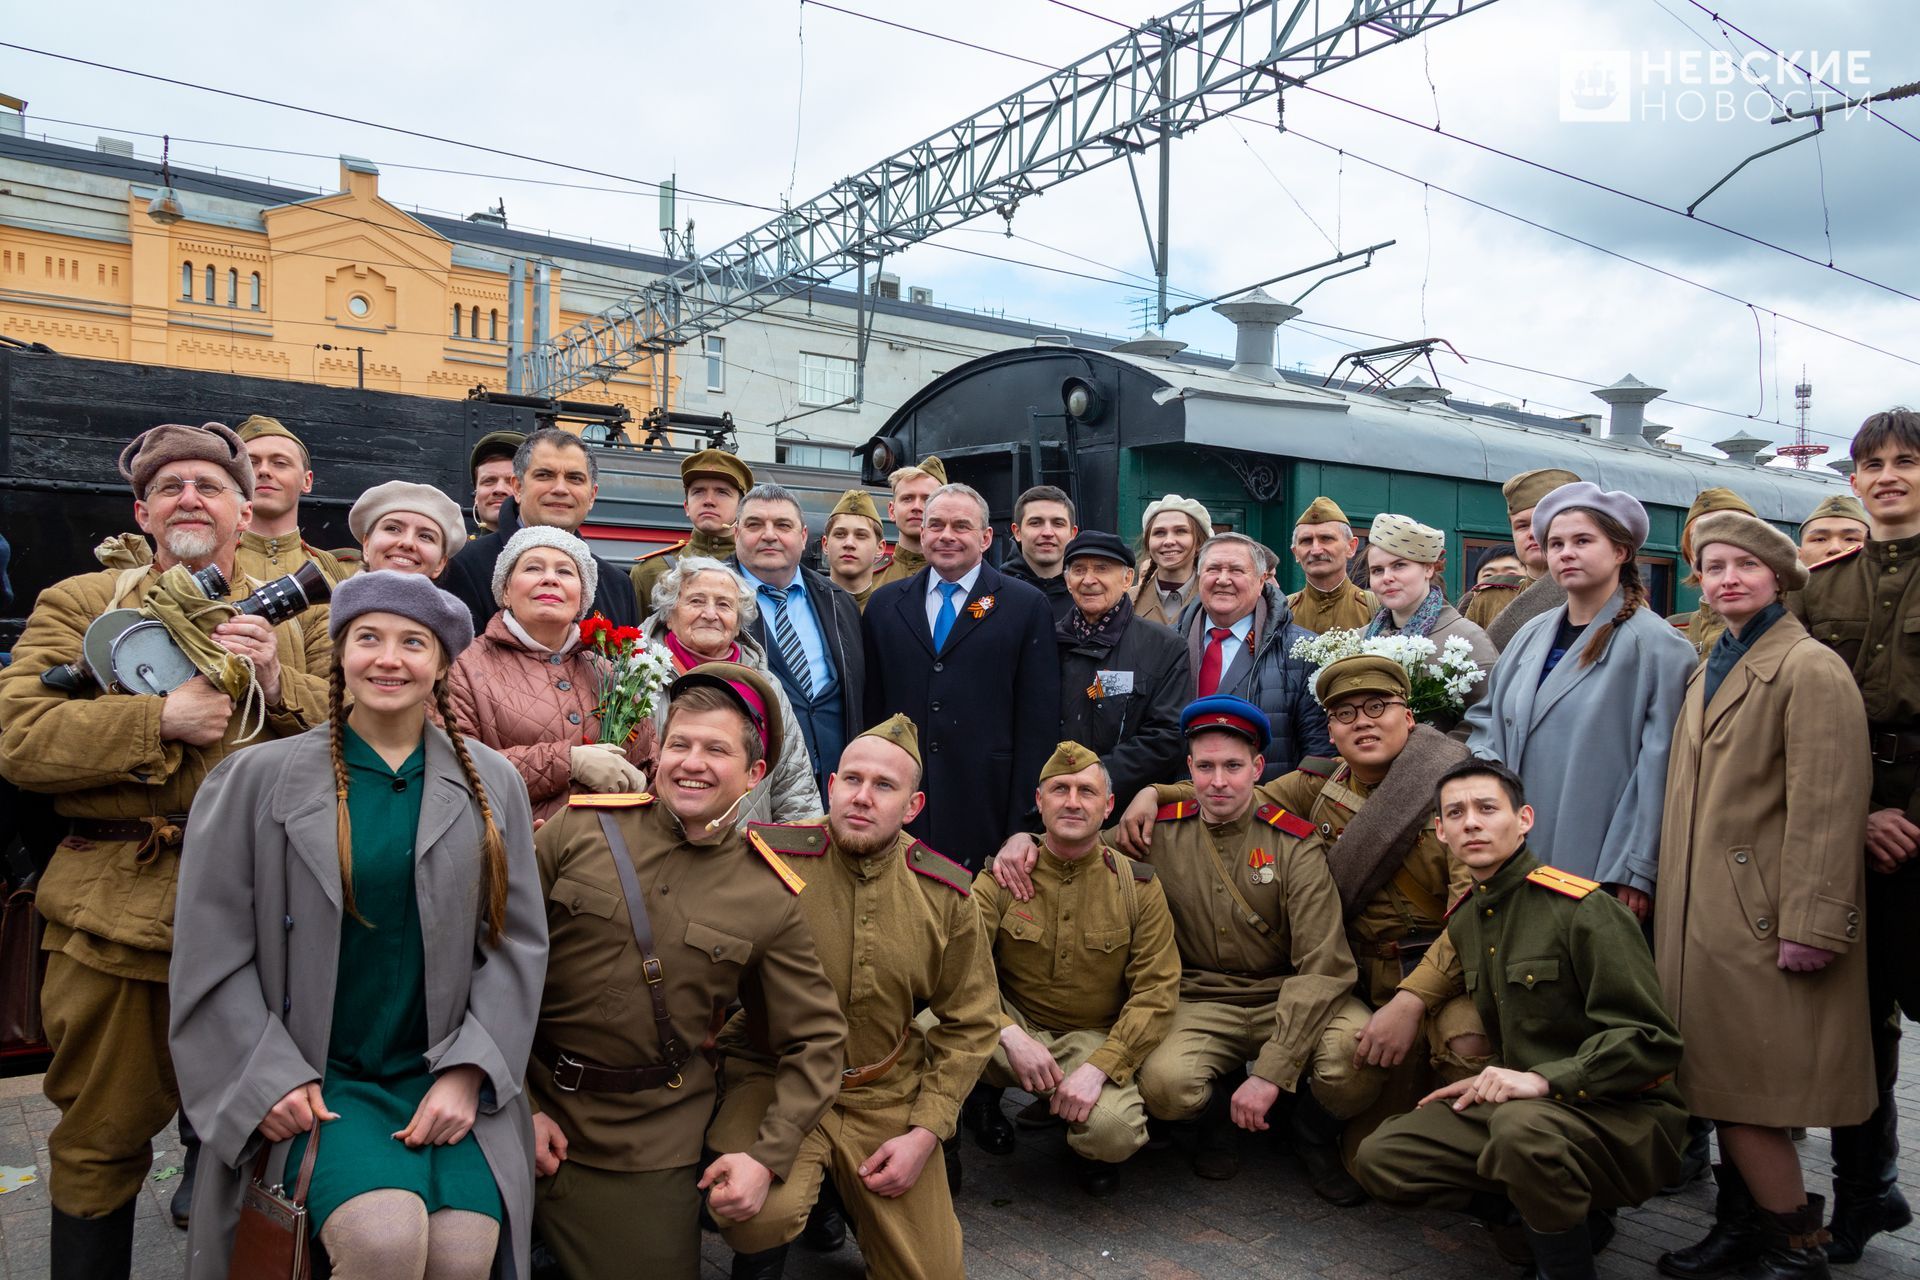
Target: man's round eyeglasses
(1372, 709)
(171, 489)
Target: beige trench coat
(1763, 838)
(256, 952)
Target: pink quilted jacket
(533, 708)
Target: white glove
(601, 766)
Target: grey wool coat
(1590, 743)
(257, 941)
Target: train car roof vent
(1255, 315)
(1417, 390)
(1742, 448)
(1151, 343)
(1628, 400)
(1052, 340)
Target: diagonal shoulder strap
(670, 1044)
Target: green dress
(376, 1057)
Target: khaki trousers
(910, 1237)
(112, 1079)
(597, 1222)
(1555, 1162)
(1210, 1040)
(1117, 1126)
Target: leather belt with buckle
(854, 1077)
(572, 1074)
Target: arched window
(473, 324)
(233, 286)
(186, 281)
(493, 325)
(256, 291)
(212, 279)
(456, 319)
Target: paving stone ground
(1025, 1216)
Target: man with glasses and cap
(124, 769)
(902, 945)
(271, 546)
(714, 481)
(660, 915)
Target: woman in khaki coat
(339, 963)
(1757, 917)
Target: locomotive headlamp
(1082, 400)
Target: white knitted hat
(542, 535)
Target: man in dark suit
(558, 482)
(809, 628)
(968, 654)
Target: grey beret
(403, 495)
(1623, 507)
(411, 596)
(1771, 547)
(541, 535)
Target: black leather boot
(1097, 1178)
(1316, 1140)
(1496, 1213)
(1790, 1245)
(1696, 1160)
(1216, 1155)
(181, 1206)
(826, 1228)
(1734, 1239)
(92, 1248)
(1563, 1255)
(1866, 1197)
(987, 1120)
(768, 1264)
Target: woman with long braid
(1583, 700)
(360, 950)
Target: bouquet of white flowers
(1441, 675)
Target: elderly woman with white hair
(529, 690)
(703, 613)
(407, 527)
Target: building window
(233, 286)
(473, 324)
(358, 307)
(493, 325)
(212, 278)
(255, 281)
(186, 281)
(805, 453)
(456, 319)
(716, 349)
(825, 380)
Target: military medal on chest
(1260, 867)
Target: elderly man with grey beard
(123, 769)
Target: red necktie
(1217, 638)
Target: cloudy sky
(756, 100)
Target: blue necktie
(789, 641)
(943, 620)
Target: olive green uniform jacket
(1346, 607)
(270, 558)
(649, 569)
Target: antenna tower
(1801, 451)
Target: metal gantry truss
(1168, 76)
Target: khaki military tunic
(651, 568)
(1089, 969)
(896, 935)
(903, 564)
(1269, 981)
(1486, 600)
(1566, 987)
(1344, 608)
(108, 900)
(270, 558)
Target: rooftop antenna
(1801, 451)
(165, 208)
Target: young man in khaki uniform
(1267, 975)
(851, 545)
(272, 546)
(1838, 525)
(714, 481)
(897, 935)
(1579, 1114)
(1323, 544)
(911, 486)
(124, 769)
(1089, 974)
(1865, 604)
(660, 914)
(1501, 614)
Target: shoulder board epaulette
(1562, 881)
(610, 799)
(883, 562)
(666, 550)
(805, 840)
(1837, 557)
(1141, 871)
(1319, 766)
(1172, 812)
(1458, 902)
(1279, 819)
(786, 873)
(937, 866)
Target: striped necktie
(788, 639)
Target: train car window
(1658, 573)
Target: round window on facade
(359, 306)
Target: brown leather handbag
(22, 967)
(274, 1239)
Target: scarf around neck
(1420, 624)
(1104, 630)
(687, 658)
